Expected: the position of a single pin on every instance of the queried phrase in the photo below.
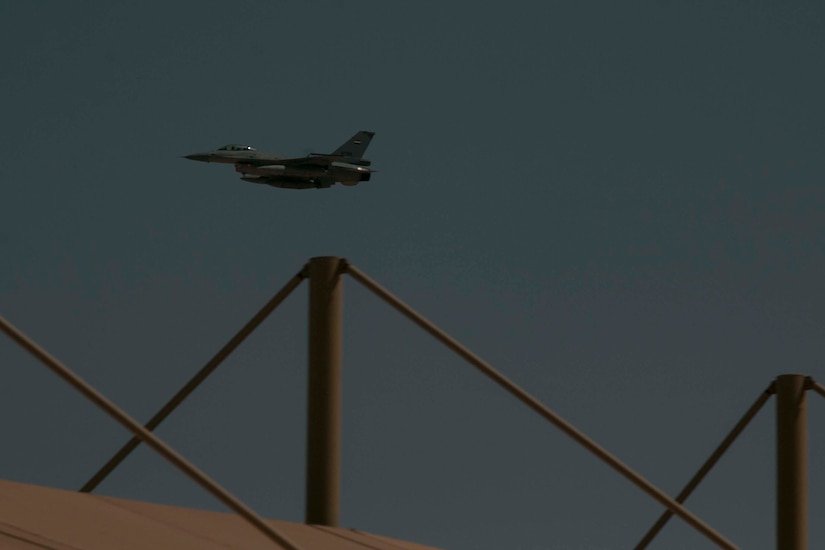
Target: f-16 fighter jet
(345, 165)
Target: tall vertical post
(324, 399)
(791, 463)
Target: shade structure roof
(35, 517)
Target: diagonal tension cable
(708, 465)
(195, 381)
(520, 394)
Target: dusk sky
(620, 206)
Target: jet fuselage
(344, 165)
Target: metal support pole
(791, 463)
(324, 392)
(146, 436)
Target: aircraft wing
(307, 161)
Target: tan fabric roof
(44, 517)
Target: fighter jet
(345, 165)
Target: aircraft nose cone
(198, 156)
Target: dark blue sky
(621, 208)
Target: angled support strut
(542, 410)
(708, 465)
(816, 386)
(195, 381)
(146, 436)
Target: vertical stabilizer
(355, 146)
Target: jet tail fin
(356, 146)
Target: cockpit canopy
(236, 147)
